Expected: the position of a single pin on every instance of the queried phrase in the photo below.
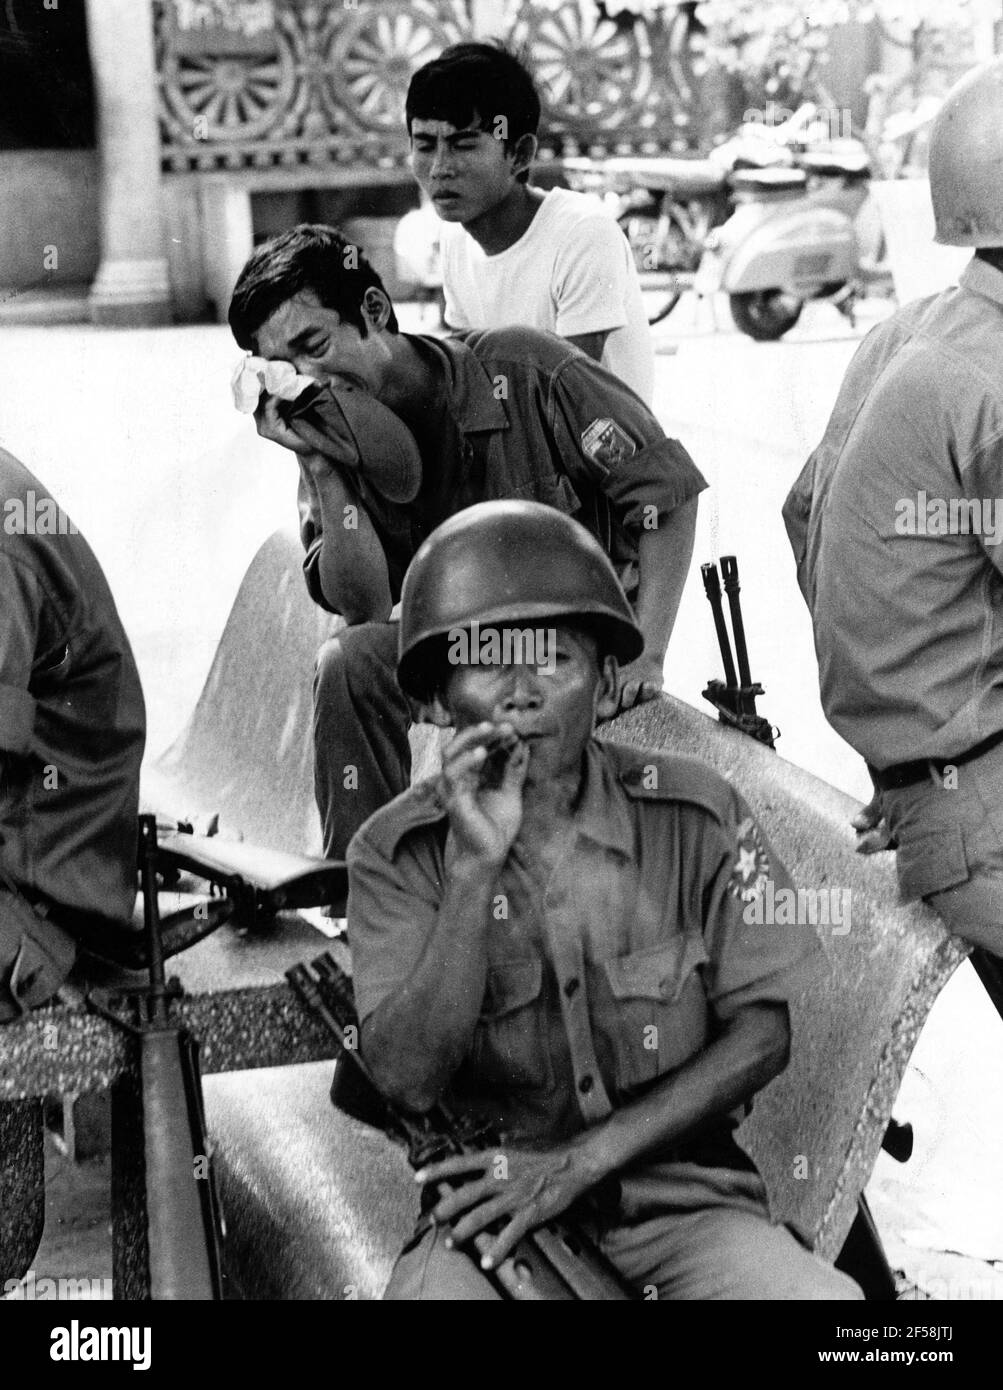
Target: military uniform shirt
(72, 718)
(528, 416)
(906, 598)
(612, 972)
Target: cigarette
(503, 743)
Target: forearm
(751, 1051)
(664, 553)
(415, 1040)
(352, 568)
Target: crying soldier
(552, 936)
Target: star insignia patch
(752, 865)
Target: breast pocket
(509, 1047)
(656, 1009)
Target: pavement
(135, 434)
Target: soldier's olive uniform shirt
(907, 608)
(612, 972)
(528, 416)
(72, 718)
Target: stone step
(67, 304)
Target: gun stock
(553, 1263)
(183, 1220)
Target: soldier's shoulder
(414, 810)
(650, 774)
(532, 349)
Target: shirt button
(586, 1084)
(571, 987)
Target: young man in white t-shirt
(512, 254)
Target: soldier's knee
(355, 657)
(329, 670)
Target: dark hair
(309, 257)
(476, 81)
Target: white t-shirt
(570, 272)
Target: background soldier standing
(903, 576)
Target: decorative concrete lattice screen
(283, 84)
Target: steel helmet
(500, 563)
(966, 161)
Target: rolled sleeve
(755, 958)
(392, 906)
(19, 622)
(609, 435)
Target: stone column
(227, 238)
(131, 286)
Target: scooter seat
(774, 179)
(846, 166)
(683, 177)
(686, 178)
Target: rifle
(552, 1262)
(734, 698)
(184, 1221)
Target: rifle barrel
(712, 588)
(729, 568)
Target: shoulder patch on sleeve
(752, 863)
(607, 443)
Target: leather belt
(906, 774)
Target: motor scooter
(804, 232)
(666, 207)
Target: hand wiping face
(252, 375)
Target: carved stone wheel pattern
(675, 62)
(588, 70)
(371, 59)
(231, 97)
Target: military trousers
(949, 831)
(681, 1234)
(362, 757)
(35, 957)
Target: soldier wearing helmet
(897, 527)
(551, 937)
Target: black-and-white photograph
(501, 663)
